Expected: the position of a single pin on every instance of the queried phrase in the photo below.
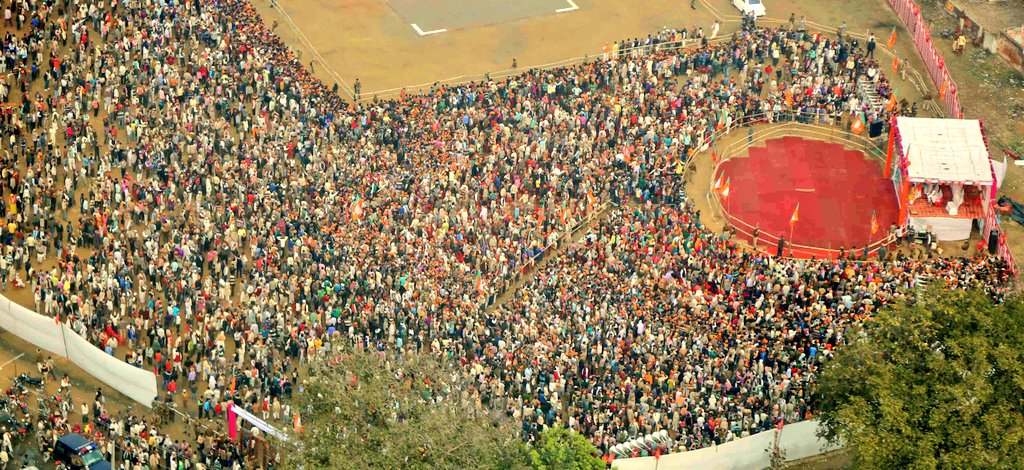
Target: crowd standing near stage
(218, 215)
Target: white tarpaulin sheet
(137, 384)
(1000, 170)
(30, 326)
(946, 229)
(44, 332)
(945, 150)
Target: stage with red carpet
(836, 189)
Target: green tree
(936, 382)
(562, 449)
(365, 410)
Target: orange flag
(874, 222)
(892, 38)
(357, 208)
(942, 91)
(895, 64)
(858, 126)
(725, 188)
(796, 216)
(481, 287)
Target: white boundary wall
(798, 440)
(44, 332)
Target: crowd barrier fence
(910, 14)
(59, 338)
(914, 77)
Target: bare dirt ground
(366, 39)
(991, 91)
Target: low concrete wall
(1010, 46)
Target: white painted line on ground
(572, 6)
(714, 11)
(424, 33)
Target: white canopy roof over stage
(944, 151)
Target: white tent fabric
(946, 229)
(945, 150)
(1000, 169)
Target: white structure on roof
(945, 151)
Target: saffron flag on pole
(874, 222)
(718, 183)
(895, 64)
(796, 216)
(892, 38)
(725, 188)
(481, 286)
(357, 207)
(942, 91)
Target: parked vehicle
(19, 429)
(79, 453)
(749, 7)
(25, 379)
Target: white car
(748, 7)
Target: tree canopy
(370, 410)
(373, 410)
(562, 449)
(937, 382)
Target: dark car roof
(74, 441)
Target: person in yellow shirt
(959, 44)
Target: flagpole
(868, 244)
(871, 231)
(791, 227)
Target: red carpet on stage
(837, 189)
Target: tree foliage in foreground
(934, 383)
(562, 449)
(368, 410)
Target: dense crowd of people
(184, 193)
(653, 322)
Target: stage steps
(867, 93)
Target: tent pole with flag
(725, 193)
(874, 227)
(714, 150)
(356, 210)
(892, 38)
(792, 224)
